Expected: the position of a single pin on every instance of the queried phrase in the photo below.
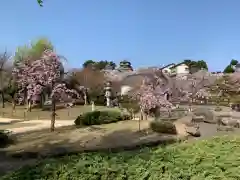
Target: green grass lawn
(214, 159)
(62, 114)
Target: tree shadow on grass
(114, 142)
(111, 142)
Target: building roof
(175, 65)
(169, 65)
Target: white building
(182, 69)
(179, 69)
(167, 69)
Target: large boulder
(225, 128)
(198, 119)
(208, 115)
(228, 121)
(193, 131)
(186, 119)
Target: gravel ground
(32, 125)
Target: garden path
(20, 126)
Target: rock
(225, 128)
(193, 131)
(207, 113)
(226, 121)
(48, 103)
(190, 124)
(69, 105)
(186, 119)
(198, 118)
(180, 127)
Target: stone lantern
(108, 93)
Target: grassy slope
(218, 158)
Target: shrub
(100, 117)
(165, 127)
(170, 119)
(5, 138)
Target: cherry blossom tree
(230, 86)
(198, 87)
(150, 99)
(233, 82)
(33, 77)
(203, 95)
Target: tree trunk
(141, 115)
(29, 107)
(139, 124)
(25, 100)
(53, 118)
(2, 91)
(3, 100)
(13, 104)
(42, 100)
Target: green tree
(202, 64)
(88, 63)
(21, 53)
(32, 51)
(234, 62)
(103, 64)
(39, 46)
(229, 69)
(195, 66)
(99, 65)
(5, 74)
(188, 62)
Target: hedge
(100, 117)
(163, 126)
(5, 138)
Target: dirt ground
(73, 139)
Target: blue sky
(146, 32)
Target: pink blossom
(203, 94)
(36, 75)
(149, 98)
